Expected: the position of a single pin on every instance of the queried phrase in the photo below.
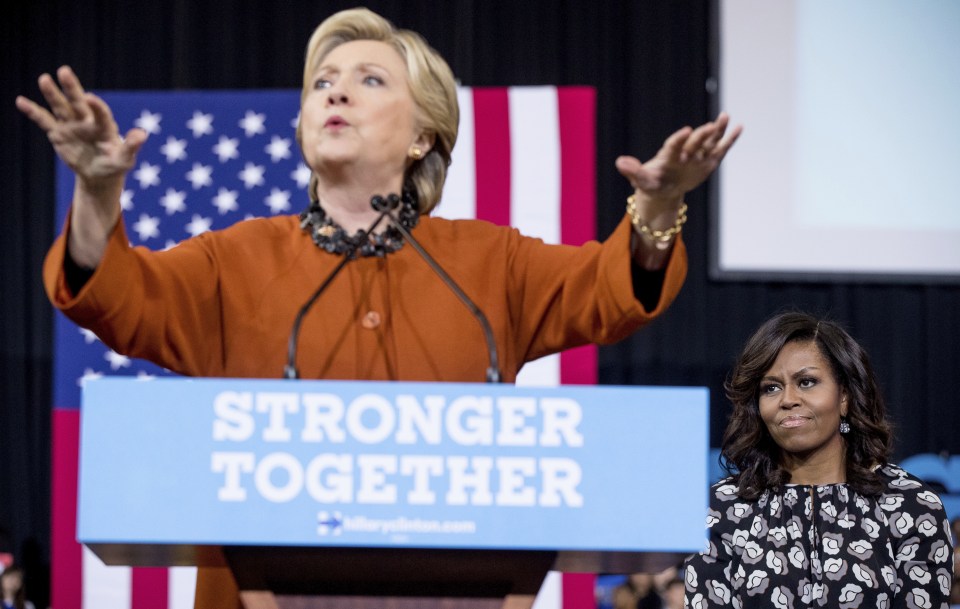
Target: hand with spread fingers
(685, 160)
(82, 130)
(84, 134)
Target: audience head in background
(399, 70)
(673, 592)
(12, 588)
(807, 409)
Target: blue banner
(324, 463)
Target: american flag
(524, 157)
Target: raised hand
(82, 130)
(684, 161)
(84, 134)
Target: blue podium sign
(389, 464)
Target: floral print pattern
(824, 546)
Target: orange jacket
(222, 305)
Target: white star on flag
(301, 175)
(226, 200)
(88, 335)
(89, 374)
(126, 200)
(116, 360)
(174, 201)
(148, 175)
(200, 175)
(198, 225)
(252, 123)
(149, 122)
(252, 175)
(147, 227)
(174, 149)
(200, 124)
(278, 200)
(227, 148)
(278, 148)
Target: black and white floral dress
(824, 546)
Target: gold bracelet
(660, 236)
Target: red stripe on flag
(491, 121)
(578, 591)
(150, 588)
(579, 366)
(66, 553)
(576, 111)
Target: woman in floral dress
(813, 514)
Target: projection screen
(847, 166)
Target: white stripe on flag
(182, 587)
(535, 162)
(550, 595)
(105, 587)
(460, 191)
(535, 189)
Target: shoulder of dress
(253, 230)
(464, 231)
(724, 490)
(470, 225)
(285, 225)
(898, 478)
(723, 482)
(902, 484)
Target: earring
(416, 152)
(844, 425)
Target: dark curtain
(649, 61)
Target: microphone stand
(386, 207)
(290, 370)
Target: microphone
(290, 370)
(386, 206)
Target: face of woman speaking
(359, 112)
(801, 403)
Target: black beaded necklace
(331, 237)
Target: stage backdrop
(525, 157)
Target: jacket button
(371, 320)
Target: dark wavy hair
(749, 453)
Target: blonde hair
(432, 87)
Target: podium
(386, 494)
